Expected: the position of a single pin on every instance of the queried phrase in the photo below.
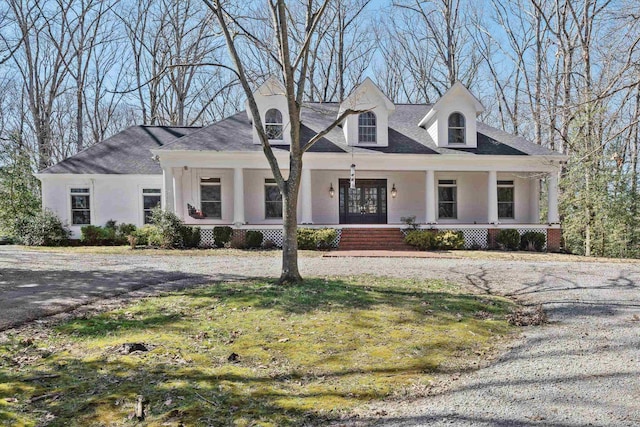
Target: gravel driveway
(581, 369)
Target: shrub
(190, 236)
(170, 228)
(43, 229)
(306, 238)
(449, 240)
(148, 235)
(222, 236)
(123, 232)
(532, 241)
(253, 239)
(92, 235)
(509, 239)
(325, 238)
(316, 238)
(424, 240)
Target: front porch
(477, 202)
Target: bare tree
(293, 60)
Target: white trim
(91, 194)
(141, 194)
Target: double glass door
(365, 204)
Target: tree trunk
(290, 273)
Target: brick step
(373, 239)
(376, 248)
(369, 238)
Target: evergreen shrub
(43, 229)
(253, 239)
(509, 239)
(222, 236)
(532, 241)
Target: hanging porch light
(352, 177)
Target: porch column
(305, 189)
(492, 188)
(167, 188)
(534, 200)
(430, 196)
(552, 194)
(177, 193)
(238, 197)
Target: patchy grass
(306, 353)
(126, 250)
(481, 255)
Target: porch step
(373, 239)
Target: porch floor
(387, 254)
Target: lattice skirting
(271, 234)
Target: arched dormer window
(273, 124)
(367, 128)
(456, 129)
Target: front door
(365, 204)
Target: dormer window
(273, 124)
(367, 128)
(456, 129)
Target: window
(150, 199)
(80, 206)
(505, 199)
(273, 124)
(210, 198)
(447, 199)
(367, 128)
(456, 129)
(272, 199)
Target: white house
(435, 162)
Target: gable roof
(364, 88)
(235, 134)
(127, 152)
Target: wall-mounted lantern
(332, 192)
(394, 192)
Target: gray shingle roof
(405, 136)
(127, 152)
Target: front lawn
(251, 353)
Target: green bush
(423, 240)
(509, 239)
(190, 236)
(316, 238)
(306, 239)
(148, 235)
(325, 238)
(450, 240)
(93, 235)
(43, 229)
(532, 241)
(253, 239)
(123, 232)
(222, 236)
(428, 240)
(170, 227)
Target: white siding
(116, 197)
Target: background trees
(563, 73)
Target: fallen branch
(206, 400)
(41, 377)
(43, 397)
